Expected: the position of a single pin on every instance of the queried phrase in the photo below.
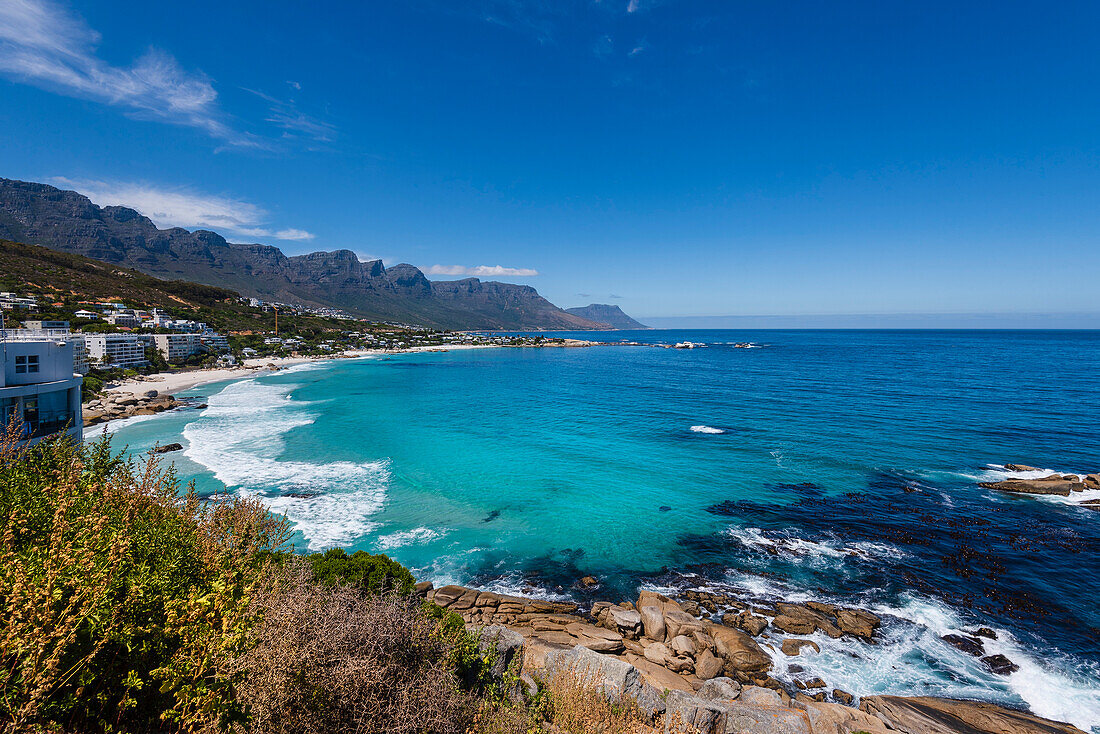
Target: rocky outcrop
(688, 671)
(1053, 484)
(114, 405)
(925, 715)
(805, 619)
(1062, 485)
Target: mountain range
(606, 313)
(36, 213)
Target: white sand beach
(173, 382)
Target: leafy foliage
(120, 598)
(374, 574)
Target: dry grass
(576, 706)
(333, 660)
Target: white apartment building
(176, 347)
(11, 300)
(157, 319)
(37, 385)
(123, 318)
(115, 350)
(80, 355)
(215, 342)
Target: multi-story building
(80, 355)
(215, 342)
(177, 347)
(125, 317)
(38, 388)
(11, 300)
(115, 350)
(157, 319)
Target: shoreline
(174, 381)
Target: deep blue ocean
(832, 465)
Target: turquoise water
(830, 465)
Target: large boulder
(653, 599)
(596, 638)
(708, 665)
(926, 715)
(857, 622)
(659, 653)
(742, 718)
(800, 620)
(653, 622)
(738, 649)
(501, 645)
(616, 678)
(720, 689)
(678, 623)
(627, 622)
(660, 677)
(747, 621)
(833, 718)
(792, 647)
(691, 713)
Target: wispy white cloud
(632, 6)
(480, 270)
(294, 234)
(185, 208)
(43, 44)
(284, 114)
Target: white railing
(33, 335)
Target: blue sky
(676, 158)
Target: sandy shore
(173, 382)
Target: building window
(25, 363)
(30, 412)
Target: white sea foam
(514, 585)
(239, 438)
(416, 536)
(913, 659)
(786, 544)
(998, 473)
(706, 429)
(94, 432)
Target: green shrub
(373, 574)
(121, 600)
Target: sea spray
(239, 437)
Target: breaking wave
(911, 658)
(787, 543)
(416, 536)
(239, 438)
(706, 429)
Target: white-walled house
(37, 384)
